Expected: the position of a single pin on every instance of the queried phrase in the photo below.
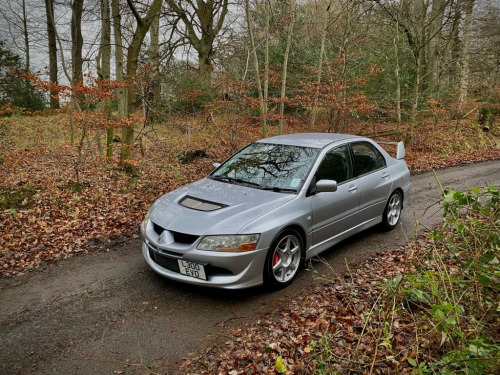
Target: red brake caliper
(276, 259)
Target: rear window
(367, 158)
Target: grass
(28, 132)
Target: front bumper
(223, 269)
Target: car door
(334, 213)
(373, 180)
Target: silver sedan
(271, 206)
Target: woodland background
(106, 105)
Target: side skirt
(325, 245)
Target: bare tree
(202, 26)
(324, 28)
(51, 35)
(284, 72)
(76, 42)
(262, 93)
(434, 48)
(464, 55)
(452, 49)
(103, 62)
(142, 27)
(16, 20)
(117, 34)
(152, 97)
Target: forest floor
(48, 214)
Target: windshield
(268, 166)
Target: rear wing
(400, 153)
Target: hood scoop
(200, 204)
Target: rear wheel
(392, 212)
(283, 260)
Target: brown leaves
(338, 326)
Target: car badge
(166, 237)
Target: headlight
(236, 243)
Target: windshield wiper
(277, 189)
(231, 179)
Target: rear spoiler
(400, 153)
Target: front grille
(184, 238)
(166, 262)
(158, 229)
(179, 237)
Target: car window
(367, 158)
(268, 166)
(337, 165)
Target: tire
(283, 260)
(392, 212)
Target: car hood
(240, 205)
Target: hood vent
(200, 205)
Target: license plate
(192, 269)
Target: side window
(336, 165)
(367, 157)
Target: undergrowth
(461, 287)
(441, 315)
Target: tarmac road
(107, 312)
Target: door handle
(352, 188)
(385, 174)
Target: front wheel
(283, 260)
(392, 212)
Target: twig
(468, 113)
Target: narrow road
(107, 312)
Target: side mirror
(216, 165)
(326, 186)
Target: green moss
(19, 198)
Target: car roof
(313, 140)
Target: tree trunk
(454, 46)
(433, 63)
(153, 96)
(263, 107)
(117, 34)
(51, 33)
(143, 25)
(76, 42)
(419, 59)
(320, 66)
(346, 39)
(26, 38)
(396, 77)
(464, 55)
(266, 68)
(104, 69)
(285, 66)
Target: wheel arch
(401, 192)
(269, 278)
(297, 228)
